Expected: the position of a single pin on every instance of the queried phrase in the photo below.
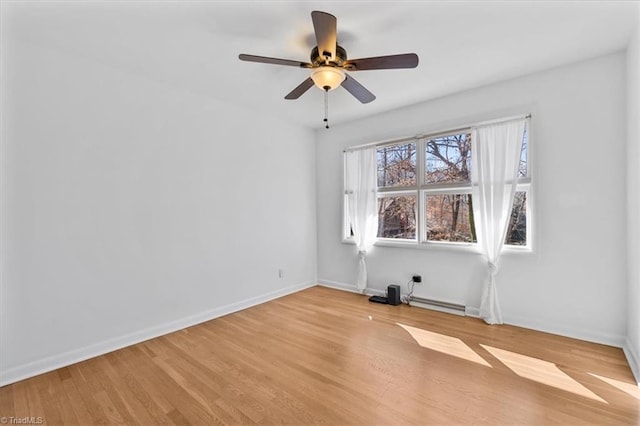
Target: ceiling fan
(329, 62)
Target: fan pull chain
(326, 107)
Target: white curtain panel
(362, 206)
(494, 170)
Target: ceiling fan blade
(274, 61)
(405, 60)
(358, 90)
(325, 26)
(298, 91)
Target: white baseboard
(339, 286)
(77, 355)
(574, 333)
(374, 292)
(350, 288)
(633, 359)
(470, 311)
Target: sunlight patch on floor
(628, 388)
(444, 344)
(540, 371)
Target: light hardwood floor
(324, 356)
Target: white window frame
(422, 189)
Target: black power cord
(409, 296)
(410, 286)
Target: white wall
(130, 209)
(632, 346)
(575, 282)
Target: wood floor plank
(60, 410)
(323, 356)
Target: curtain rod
(438, 133)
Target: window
(448, 212)
(424, 192)
(397, 217)
(449, 217)
(397, 165)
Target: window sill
(440, 246)
(414, 245)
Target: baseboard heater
(438, 305)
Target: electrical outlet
(280, 273)
(417, 278)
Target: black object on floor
(379, 299)
(393, 294)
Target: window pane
(517, 230)
(397, 217)
(397, 165)
(522, 171)
(450, 218)
(448, 159)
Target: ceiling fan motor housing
(318, 60)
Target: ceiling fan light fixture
(327, 77)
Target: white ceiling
(194, 45)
